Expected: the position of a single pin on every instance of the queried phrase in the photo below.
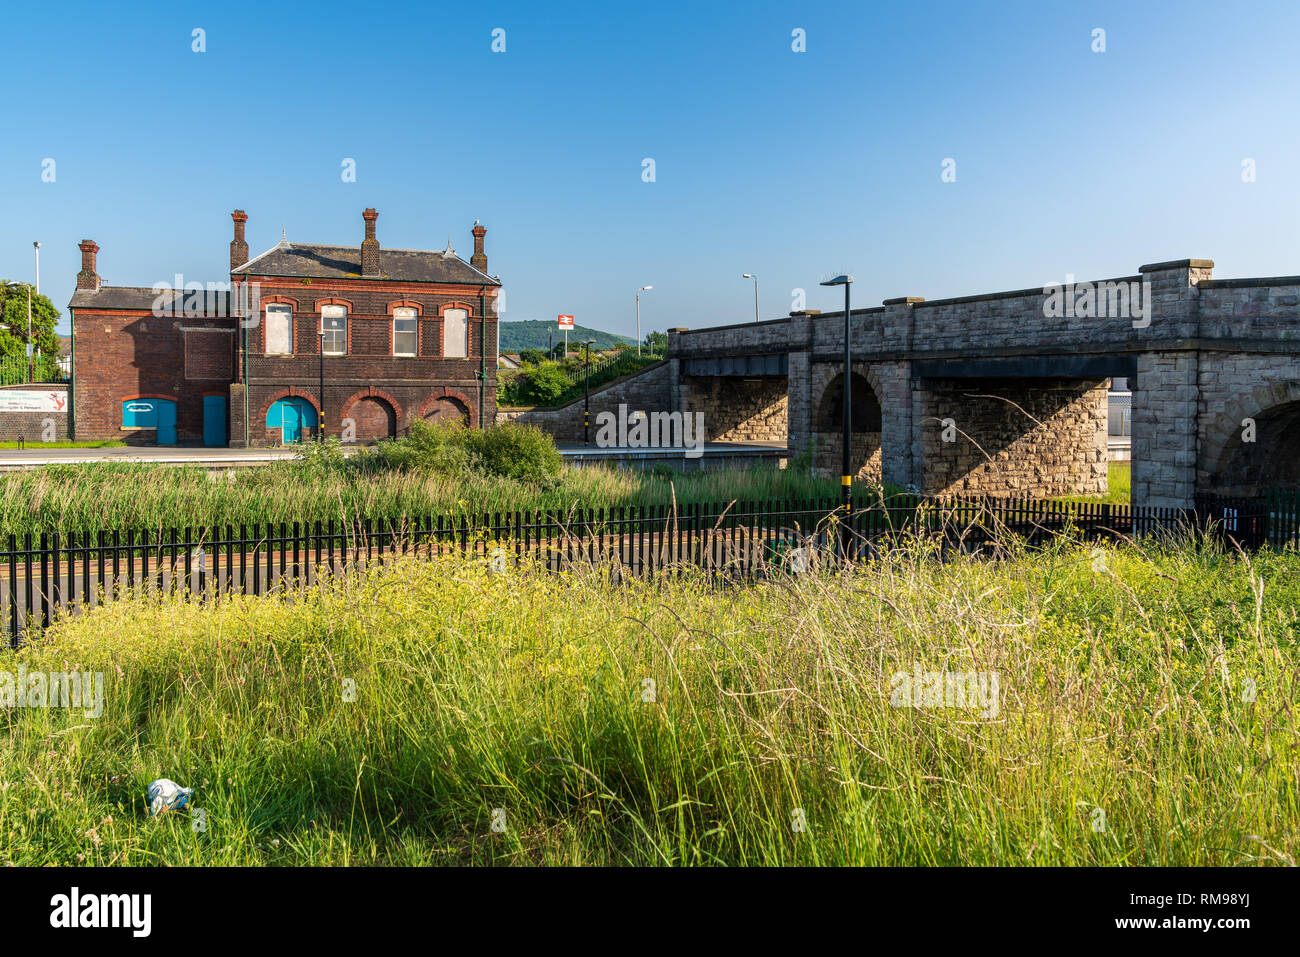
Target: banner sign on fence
(31, 400)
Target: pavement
(218, 457)
(162, 455)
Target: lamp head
(838, 281)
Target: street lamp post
(846, 475)
(586, 397)
(31, 348)
(750, 275)
(320, 430)
(638, 317)
(31, 357)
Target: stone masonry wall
(738, 410)
(1054, 443)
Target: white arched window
(455, 333)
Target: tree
(13, 322)
(532, 357)
(656, 342)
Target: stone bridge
(1006, 393)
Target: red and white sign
(566, 322)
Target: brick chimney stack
(479, 259)
(239, 246)
(370, 245)
(88, 278)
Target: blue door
(290, 416)
(166, 422)
(157, 414)
(214, 420)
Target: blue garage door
(292, 416)
(159, 414)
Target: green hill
(531, 334)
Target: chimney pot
(88, 278)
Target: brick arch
(447, 392)
(457, 304)
(333, 301)
(291, 392)
(281, 300)
(368, 430)
(406, 304)
(148, 395)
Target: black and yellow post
(586, 397)
(320, 426)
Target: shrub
(532, 357)
(541, 384)
(522, 452)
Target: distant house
(509, 362)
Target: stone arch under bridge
(1253, 444)
(827, 426)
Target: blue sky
(790, 165)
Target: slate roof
(213, 304)
(344, 262)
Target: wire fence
(16, 370)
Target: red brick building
(398, 335)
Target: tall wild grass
(1146, 716)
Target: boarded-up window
(208, 354)
(455, 333)
(279, 330)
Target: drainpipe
(482, 372)
(243, 321)
(72, 378)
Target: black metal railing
(49, 574)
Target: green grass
(1123, 678)
(121, 495)
(1119, 482)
